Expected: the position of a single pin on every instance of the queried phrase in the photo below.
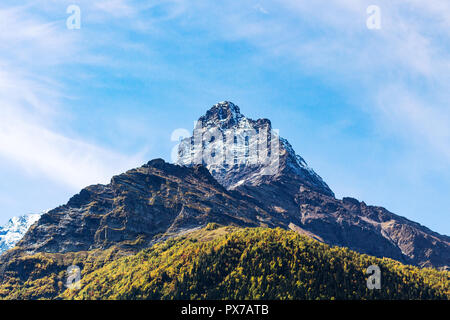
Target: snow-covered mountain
(244, 151)
(14, 230)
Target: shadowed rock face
(160, 199)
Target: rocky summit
(232, 171)
(254, 155)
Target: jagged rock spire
(247, 148)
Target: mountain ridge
(156, 198)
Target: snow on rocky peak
(240, 151)
(15, 229)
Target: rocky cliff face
(233, 171)
(139, 207)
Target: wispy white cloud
(408, 115)
(115, 7)
(66, 160)
(30, 97)
(261, 9)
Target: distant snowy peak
(15, 229)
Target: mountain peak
(223, 114)
(156, 163)
(225, 109)
(240, 151)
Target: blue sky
(367, 109)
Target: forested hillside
(222, 263)
(255, 264)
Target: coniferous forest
(226, 263)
